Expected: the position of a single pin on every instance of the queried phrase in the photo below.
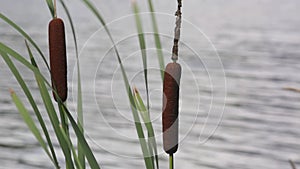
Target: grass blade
(26, 36)
(86, 148)
(51, 7)
(157, 40)
(79, 89)
(146, 118)
(30, 98)
(142, 46)
(21, 59)
(71, 147)
(142, 113)
(29, 121)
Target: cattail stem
(171, 95)
(171, 161)
(177, 31)
(54, 6)
(292, 164)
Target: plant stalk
(54, 7)
(177, 31)
(171, 161)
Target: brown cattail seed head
(170, 107)
(58, 58)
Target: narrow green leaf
(26, 36)
(63, 119)
(86, 148)
(71, 147)
(22, 60)
(146, 118)
(141, 106)
(30, 123)
(146, 152)
(142, 43)
(159, 51)
(38, 114)
(143, 115)
(51, 7)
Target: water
(257, 42)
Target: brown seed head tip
(291, 89)
(135, 90)
(11, 91)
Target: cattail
(58, 58)
(170, 107)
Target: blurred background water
(240, 54)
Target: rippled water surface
(241, 54)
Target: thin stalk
(292, 164)
(171, 161)
(177, 31)
(55, 14)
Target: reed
(171, 85)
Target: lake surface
(237, 57)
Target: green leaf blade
(146, 118)
(142, 43)
(159, 51)
(26, 36)
(86, 148)
(51, 7)
(29, 121)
